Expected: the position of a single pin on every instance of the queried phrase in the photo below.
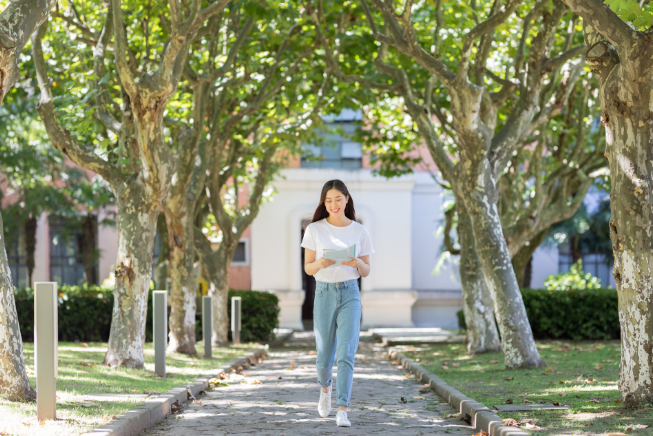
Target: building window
(335, 150)
(240, 257)
(17, 258)
(66, 264)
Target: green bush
(85, 314)
(572, 279)
(589, 314)
(260, 314)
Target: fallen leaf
(509, 378)
(555, 403)
(523, 395)
(256, 382)
(527, 401)
(292, 366)
(364, 361)
(550, 369)
(639, 426)
(529, 426)
(403, 400)
(84, 344)
(425, 390)
(246, 375)
(418, 398)
(134, 390)
(617, 401)
(474, 362)
(616, 434)
(396, 362)
(492, 361)
(406, 375)
(561, 382)
(452, 415)
(148, 392)
(444, 367)
(590, 380)
(510, 422)
(312, 352)
(598, 366)
(455, 365)
(482, 433)
(594, 400)
(508, 401)
(563, 394)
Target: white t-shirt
(321, 236)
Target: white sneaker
(341, 419)
(324, 405)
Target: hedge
(85, 314)
(590, 314)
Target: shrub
(574, 314)
(78, 305)
(260, 314)
(85, 314)
(572, 279)
(588, 314)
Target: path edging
(480, 416)
(133, 422)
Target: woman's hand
(323, 263)
(354, 262)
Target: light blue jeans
(337, 324)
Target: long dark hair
(321, 212)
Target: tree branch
(122, 66)
(59, 136)
(599, 16)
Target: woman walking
(337, 309)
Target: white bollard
(46, 329)
(160, 330)
(207, 325)
(235, 319)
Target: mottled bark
(524, 257)
(30, 246)
(216, 266)
(482, 334)
(18, 20)
(622, 57)
(133, 271)
(14, 384)
(183, 289)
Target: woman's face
(335, 203)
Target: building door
(308, 284)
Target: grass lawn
(81, 372)
(582, 375)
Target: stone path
(285, 402)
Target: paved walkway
(285, 402)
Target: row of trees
(178, 106)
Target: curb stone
(133, 422)
(479, 415)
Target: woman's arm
(312, 266)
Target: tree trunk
(18, 21)
(524, 259)
(482, 332)
(480, 193)
(30, 246)
(89, 229)
(183, 289)
(14, 384)
(217, 270)
(628, 128)
(136, 232)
